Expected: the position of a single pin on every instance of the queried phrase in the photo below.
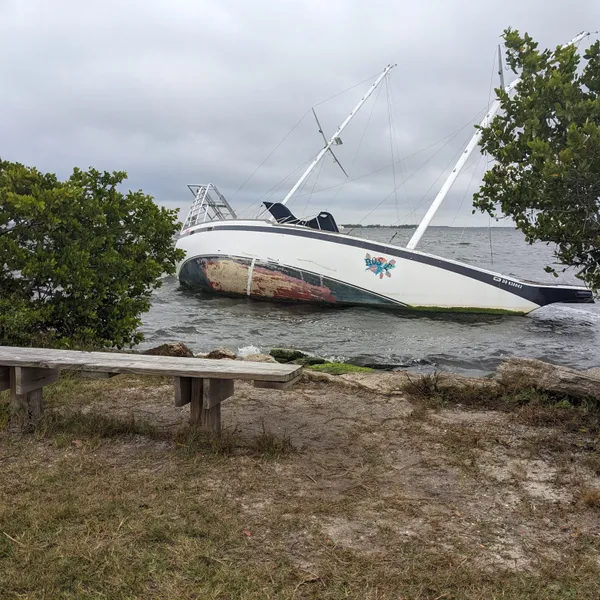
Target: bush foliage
(546, 149)
(79, 259)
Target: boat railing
(209, 205)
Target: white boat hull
(261, 259)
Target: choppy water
(566, 334)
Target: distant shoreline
(351, 226)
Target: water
(566, 334)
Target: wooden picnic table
(202, 383)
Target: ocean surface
(567, 334)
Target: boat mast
(500, 69)
(335, 136)
(418, 234)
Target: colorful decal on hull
(379, 265)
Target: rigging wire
(496, 55)
(462, 200)
(341, 186)
(442, 172)
(465, 170)
(270, 154)
(403, 171)
(450, 138)
(490, 237)
(269, 194)
(424, 149)
(294, 127)
(343, 91)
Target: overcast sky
(196, 91)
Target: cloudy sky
(195, 91)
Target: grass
(79, 528)
(334, 368)
(4, 410)
(528, 405)
(191, 441)
(590, 497)
(101, 505)
(566, 415)
(271, 445)
(92, 424)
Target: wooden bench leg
(4, 378)
(205, 402)
(26, 391)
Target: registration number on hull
(508, 282)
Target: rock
(266, 358)
(381, 366)
(219, 353)
(285, 355)
(309, 360)
(551, 378)
(178, 349)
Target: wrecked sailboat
(285, 258)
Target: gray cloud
(189, 91)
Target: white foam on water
(248, 350)
(579, 312)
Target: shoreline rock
(220, 353)
(173, 349)
(549, 377)
(266, 358)
(286, 355)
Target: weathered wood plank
(4, 378)
(277, 385)
(208, 419)
(27, 407)
(183, 390)
(35, 408)
(215, 391)
(120, 362)
(29, 379)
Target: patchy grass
(271, 445)
(4, 410)
(334, 368)
(191, 441)
(592, 462)
(73, 424)
(590, 497)
(97, 503)
(527, 405)
(131, 522)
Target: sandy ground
(393, 471)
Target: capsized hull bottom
(286, 263)
(243, 277)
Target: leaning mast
(336, 135)
(418, 234)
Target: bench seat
(202, 383)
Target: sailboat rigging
(309, 260)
